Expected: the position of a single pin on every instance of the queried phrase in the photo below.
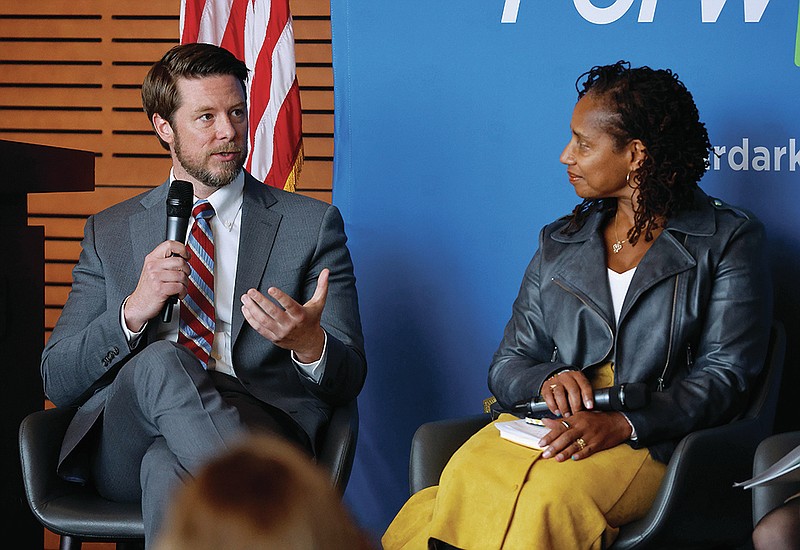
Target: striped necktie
(197, 320)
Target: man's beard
(202, 174)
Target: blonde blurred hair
(261, 494)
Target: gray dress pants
(165, 416)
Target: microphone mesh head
(179, 199)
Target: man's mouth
(226, 156)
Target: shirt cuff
(633, 436)
(316, 369)
(131, 337)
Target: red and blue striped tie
(197, 309)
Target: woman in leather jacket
(649, 280)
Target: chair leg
(69, 543)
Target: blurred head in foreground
(262, 494)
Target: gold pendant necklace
(617, 246)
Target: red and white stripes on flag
(259, 32)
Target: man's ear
(163, 128)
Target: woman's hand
(567, 393)
(585, 433)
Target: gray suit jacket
(286, 240)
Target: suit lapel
(148, 230)
(147, 227)
(257, 237)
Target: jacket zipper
(662, 378)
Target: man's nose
(225, 128)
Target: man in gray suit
(286, 342)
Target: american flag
(260, 33)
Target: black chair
(697, 505)
(768, 497)
(78, 514)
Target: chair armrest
(767, 498)
(337, 449)
(698, 484)
(434, 443)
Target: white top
(619, 283)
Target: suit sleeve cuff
(131, 337)
(314, 370)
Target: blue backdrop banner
(449, 120)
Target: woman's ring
(566, 424)
(581, 443)
(553, 386)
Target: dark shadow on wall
(785, 258)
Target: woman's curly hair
(654, 107)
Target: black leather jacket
(694, 324)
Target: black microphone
(625, 397)
(179, 210)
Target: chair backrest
(764, 399)
(338, 445)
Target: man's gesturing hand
(290, 326)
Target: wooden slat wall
(70, 76)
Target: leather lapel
(666, 258)
(583, 273)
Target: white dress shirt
(226, 228)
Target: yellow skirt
(494, 494)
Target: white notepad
(522, 432)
